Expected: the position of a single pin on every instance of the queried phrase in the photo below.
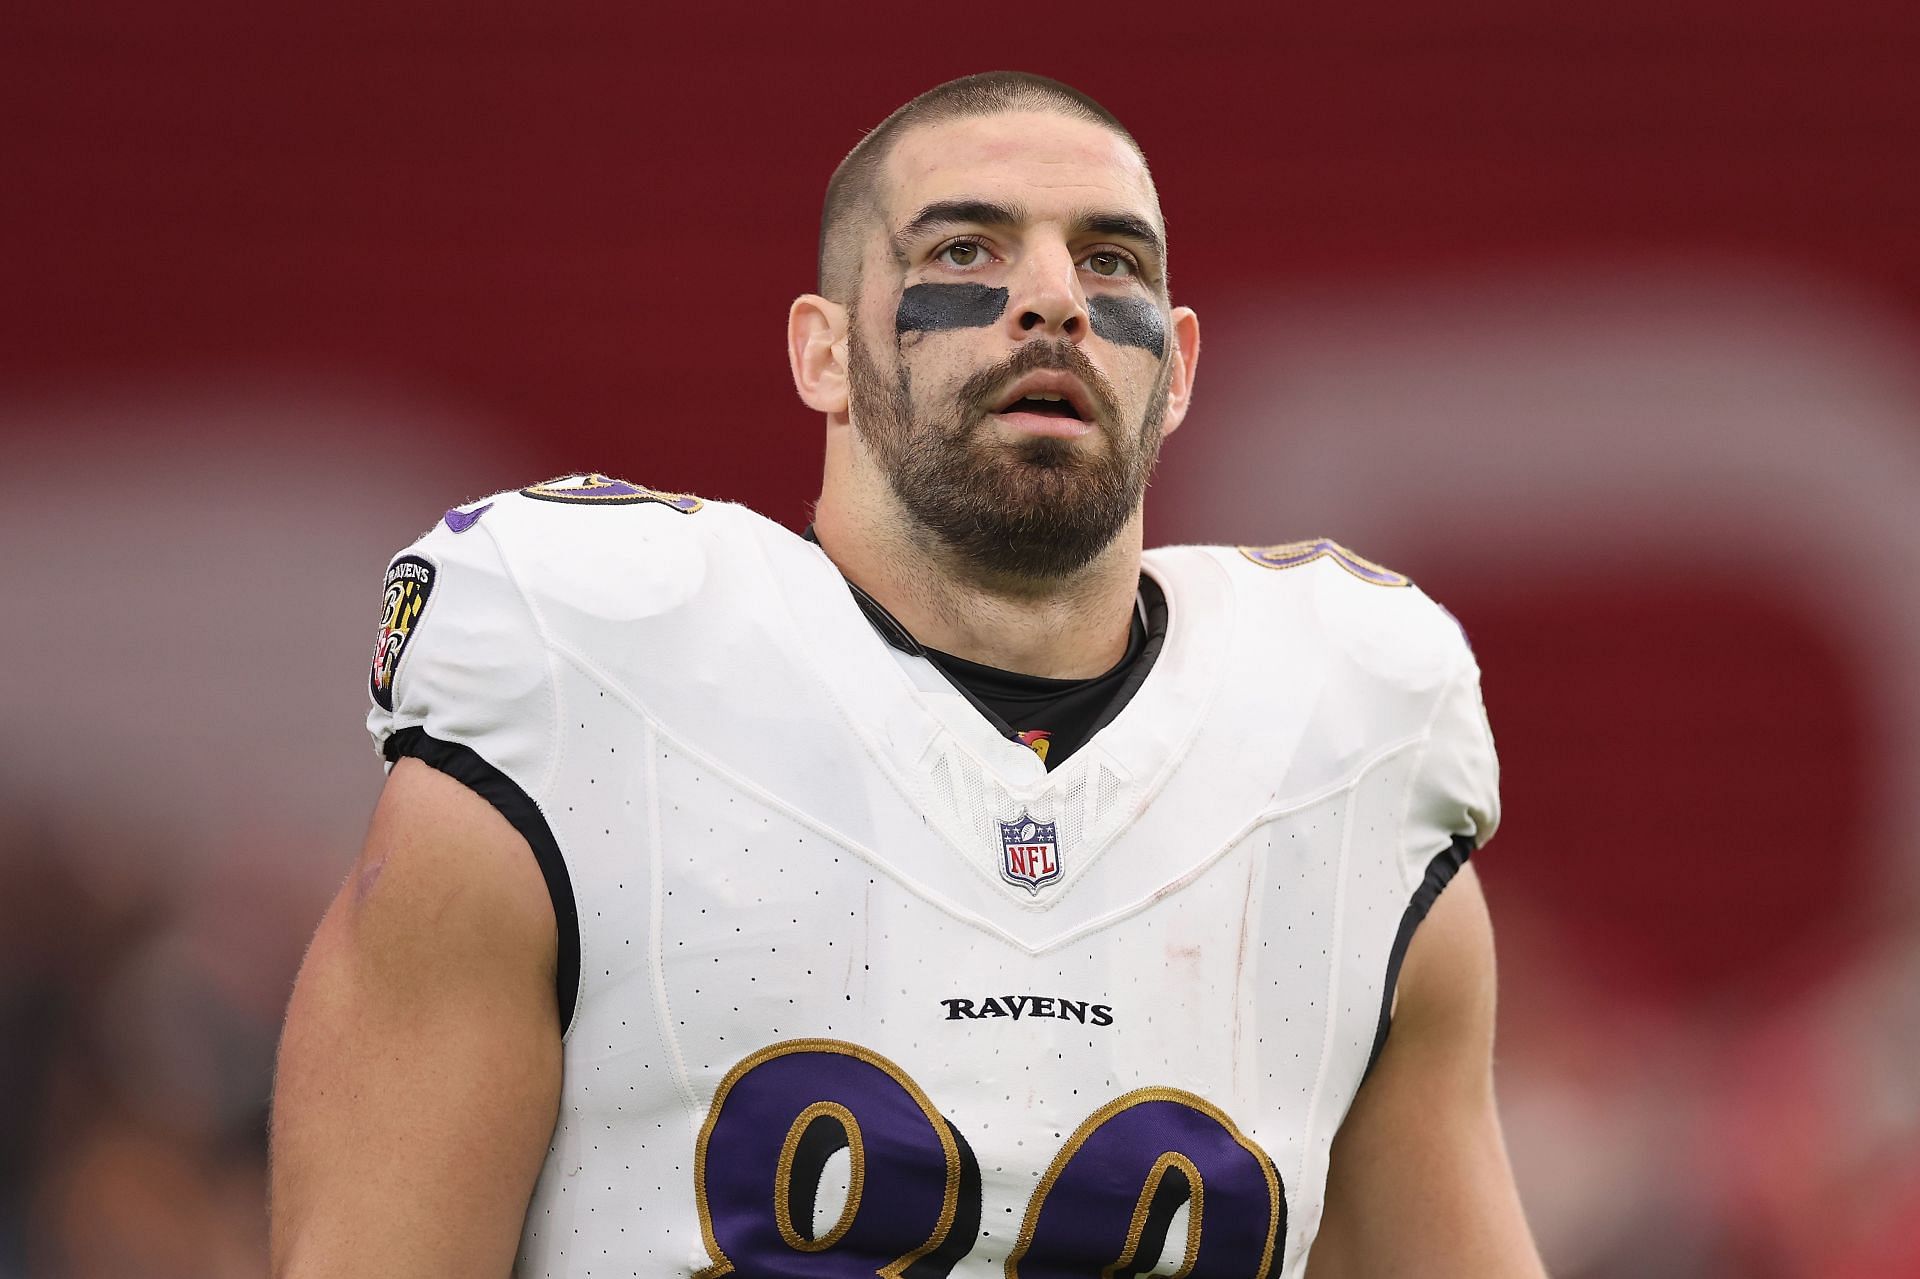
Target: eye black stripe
(929, 308)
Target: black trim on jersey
(1440, 872)
(465, 766)
(977, 683)
(884, 622)
(1071, 711)
(1152, 614)
(896, 635)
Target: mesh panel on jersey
(968, 803)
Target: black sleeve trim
(1440, 872)
(466, 766)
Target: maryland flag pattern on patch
(604, 490)
(1294, 554)
(409, 585)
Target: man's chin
(1034, 508)
(1047, 452)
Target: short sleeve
(458, 659)
(1455, 801)
(460, 681)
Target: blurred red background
(1602, 323)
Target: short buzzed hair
(851, 189)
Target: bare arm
(419, 1070)
(1419, 1183)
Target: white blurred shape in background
(1734, 423)
(193, 583)
(1742, 422)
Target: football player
(952, 890)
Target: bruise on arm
(419, 1069)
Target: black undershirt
(1056, 717)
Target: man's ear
(817, 352)
(1186, 358)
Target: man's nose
(1047, 299)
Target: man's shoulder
(627, 578)
(590, 548)
(1317, 588)
(583, 514)
(591, 524)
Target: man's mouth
(1044, 405)
(1049, 401)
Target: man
(954, 890)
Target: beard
(1033, 510)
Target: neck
(1073, 627)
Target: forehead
(1041, 160)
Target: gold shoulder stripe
(1294, 554)
(604, 490)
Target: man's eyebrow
(1123, 226)
(978, 212)
(951, 212)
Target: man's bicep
(419, 1069)
(1419, 1182)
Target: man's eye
(1112, 265)
(961, 253)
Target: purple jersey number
(913, 1195)
(1105, 1205)
(1102, 1211)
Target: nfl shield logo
(1029, 856)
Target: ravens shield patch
(409, 585)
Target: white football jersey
(863, 990)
